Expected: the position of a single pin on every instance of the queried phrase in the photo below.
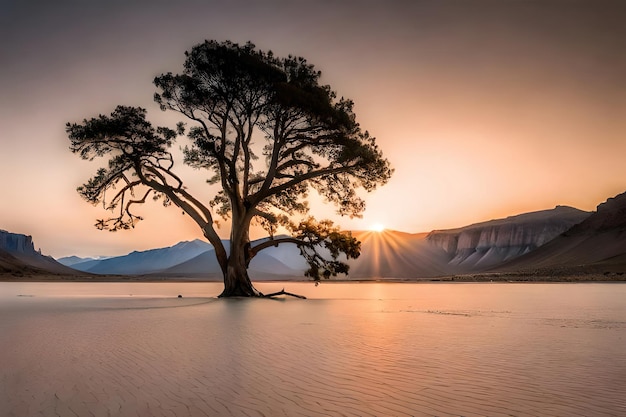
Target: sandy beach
(132, 349)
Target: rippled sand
(354, 349)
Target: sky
(485, 109)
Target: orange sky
(485, 108)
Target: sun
(377, 227)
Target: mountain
(204, 264)
(263, 266)
(16, 243)
(559, 240)
(598, 244)
(144, 262)
(282, 262)
(73, 260)
(473, 248)
(10, 264)
(389, 254)
(483, 245)
(19, 257)
(194, 259)
(393, 254)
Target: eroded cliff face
(610, 215)
(16, 243)
(596, 245)
(18, 257)
(484, 245)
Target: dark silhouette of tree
(266, 131)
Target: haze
(485, 108)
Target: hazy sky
(485, 108)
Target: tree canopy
(267, 132)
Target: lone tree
(268, 133)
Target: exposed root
(283, 292)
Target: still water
(379, 349)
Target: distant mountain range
(192, 259)
(139, 262)
(557, 241)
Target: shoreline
(508, 277)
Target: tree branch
(260, 195)
(275, 242)
(206, 224)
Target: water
(438, 349)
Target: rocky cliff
(596, 245)
(483, 245)
(610, 215)
(18, 257)
(13, 242)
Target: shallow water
(440, 349)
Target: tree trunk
(237, 283)
(236, 280)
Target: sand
(350, 349)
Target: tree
(267, 132)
